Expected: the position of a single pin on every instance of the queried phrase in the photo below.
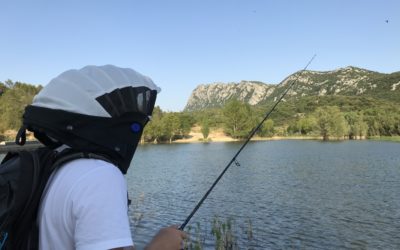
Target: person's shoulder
(95, 177)
(91, 169)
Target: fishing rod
(252, 133)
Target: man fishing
(100, 113)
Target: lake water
(297, 194)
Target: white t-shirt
(85, 207)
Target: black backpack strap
(69, 155)
(20, 139)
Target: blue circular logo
(136, 127)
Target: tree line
(330, 117)
(14, 96)
(237, 119)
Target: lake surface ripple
(297, 194)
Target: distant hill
(349, 81)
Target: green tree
(357, 126)
(388, 123)
(3, 88)
(153, 130)
(370, 117)
(396, 125)
(186, 123)
(331, 122)
(170, 126)
(267, 129)
(238, 119)
(303, 125)
(13, 100)
(307, 124)
(205, 128)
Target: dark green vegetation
(167, 126)
(332, 117)
(14, 96)
(337, 116)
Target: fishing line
(252, 133)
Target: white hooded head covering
(76, 90)
(97, 109)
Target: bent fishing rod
(252, 133)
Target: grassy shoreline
(229, 139)
(385, 138)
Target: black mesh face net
(128, 100)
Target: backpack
(23, 178)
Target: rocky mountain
(347, 81)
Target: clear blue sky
(181, 44)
